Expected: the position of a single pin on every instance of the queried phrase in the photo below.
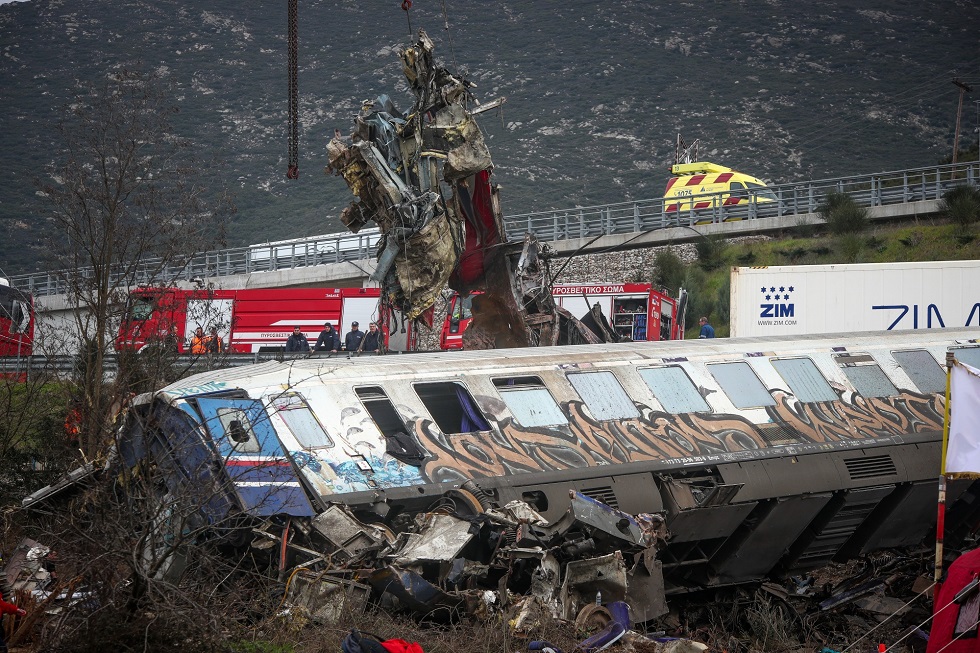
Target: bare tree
(128, 207)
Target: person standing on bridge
(215, 345)
(297, 342)
(352, 341)
(199, 343)
(373, 340)
(329, 339)
(707, 331)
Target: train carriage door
(252, 455)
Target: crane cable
(406, 5)
(292, 172)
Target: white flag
(963, 448)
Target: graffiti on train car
(860, 417)
(657, 435)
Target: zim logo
(773, 307)
(777, 310)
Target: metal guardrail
(899, 187)
(63, 366)
(880, 189)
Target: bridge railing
(880, 189)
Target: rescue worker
(707, 331)
(352, 341)
(7, 608)
(214, 344)
(297, 342)
(372, 340)
(328, 340)
(199, 343)
(171, 342)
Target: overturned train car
(764, 456)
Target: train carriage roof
(434, 364)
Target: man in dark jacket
(297, 342)
(372, 339)
(353, 338)
(329, 339)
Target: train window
(400, 444)
(675, 390)
(604, 396)
(452, 407)
(530, 401)
(301, 421)
(742, 386)
(923, 369)
(865, 375)
(804, 379)
(238, 430)
(968, 355)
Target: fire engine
(16, 321)
(636, 311)
(253, 320)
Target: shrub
(669, 270)
(711, 251)
(842, 214)
(961, 206)
(723, 302)
(700, 302)
(850, 247)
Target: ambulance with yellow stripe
(696, 184)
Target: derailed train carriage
(752, 458)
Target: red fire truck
(634, 310)
(253, 320)
(16, 321)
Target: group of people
(207, 344)
(329, 340)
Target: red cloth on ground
(401, 646)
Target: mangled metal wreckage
(548, 479)
(425, 178)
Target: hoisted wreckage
(399, 166)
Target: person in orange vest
(199, 343)
(73, 426)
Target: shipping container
(799, 299)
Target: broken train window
(804, 379)
(238, 430)
(743, 387)
(399, 444)
(530, 401)
(604, 396)
(674, 389)
(302, 423)
(451, 407)
(865, 375)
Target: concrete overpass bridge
(346, 260)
